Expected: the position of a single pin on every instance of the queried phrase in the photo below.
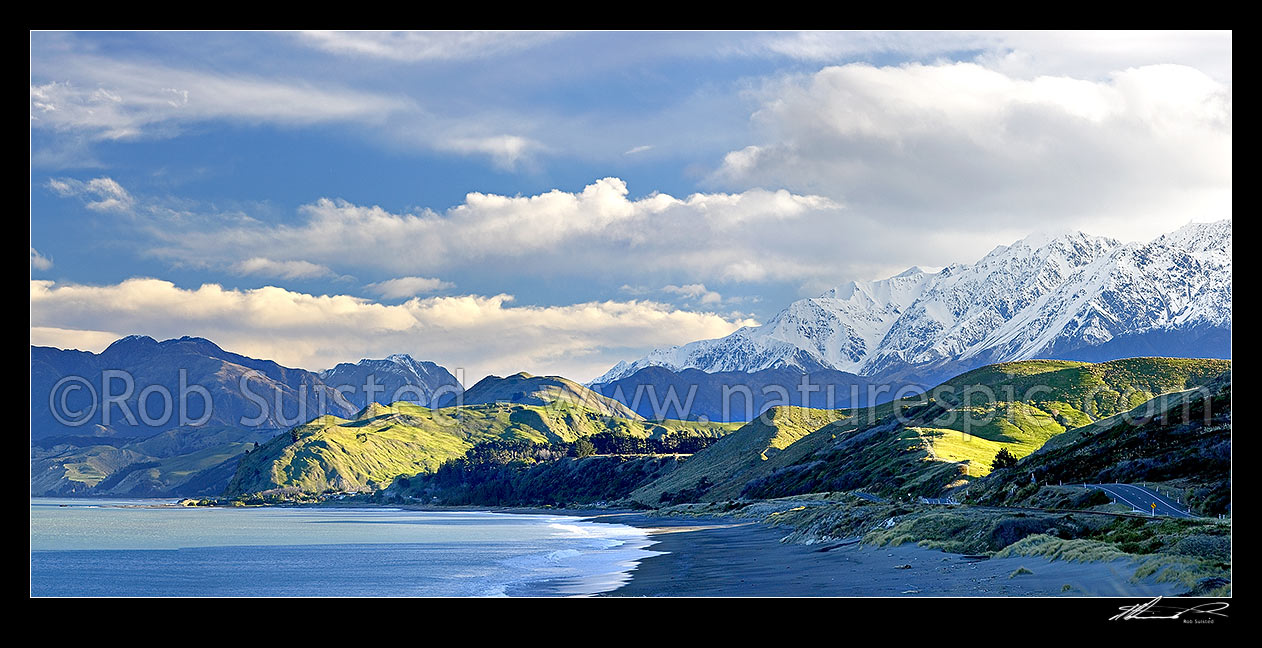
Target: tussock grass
(1053, 548)
(1183, 570)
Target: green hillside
(184, 461)
(76, 470)
(562, 481)
(927, 444)
(382, 443)
(738, 457)
(1180, 440)
(525, 389)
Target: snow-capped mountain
(1070, 295)
(397, 378)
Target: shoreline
(715, 557)
(709, 556)
(732, 557)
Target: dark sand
(724, 557)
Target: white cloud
(639, 149)
(506, 151)
(696, 292)
(94, 98)
(407, 287)
(39, 261)
(918, 147)
(114, 100)
(699, 238)
(98, 194)
(265, 267)
(77, 339)
(1027, 54)
(480, 334)
(413, 47)
(635, 290)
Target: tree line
(508, 451)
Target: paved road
(1142, 499)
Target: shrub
(1003, 459)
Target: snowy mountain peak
(400, 358)
(1051, 292)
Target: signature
(1151, 610)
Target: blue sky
(556, 202)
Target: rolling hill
(370, 450)
(1181, 440)
(925, 445)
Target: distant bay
(82, 547)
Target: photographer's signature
(1151, 610)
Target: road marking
(1118, 489)
(1118, 495)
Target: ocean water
(141, 548)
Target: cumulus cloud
(77, 339)
(39, 261)
(478, 333)
(265, 267)
(750, 236)
(407, 287)
(413, 47)
(957, 145)
(1027, 54)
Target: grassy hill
(76, 470)
(181, 461)
(736, 458)
(927, 444)
(1180, 440)
(525, 389)
(382, 443)
(562, 482)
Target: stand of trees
(518, 472)
(508, 451)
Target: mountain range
(1070, 296)
(1067, 297)
(138, 452)
(244, 392)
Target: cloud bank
(754, 235)
(960, 146)
(480, 334)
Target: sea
(129, 547)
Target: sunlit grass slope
(928, 443)
(381, 443)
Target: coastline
(120, 547)
(735, 557)
(741, 558)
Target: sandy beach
(717, 557)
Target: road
(1142, 499)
